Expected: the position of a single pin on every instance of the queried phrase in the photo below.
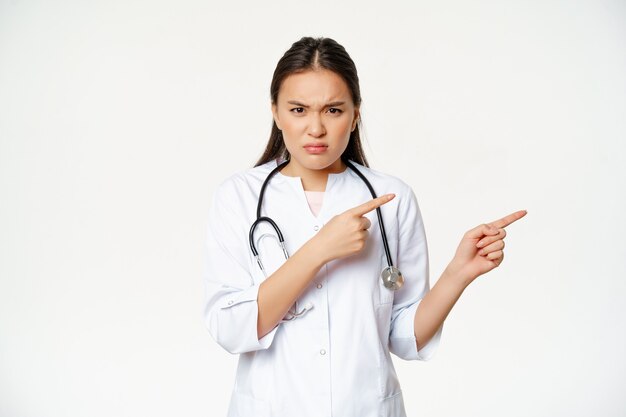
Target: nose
(316, 126)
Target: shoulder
(243, 181)
(233, 200)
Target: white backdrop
(119, 118)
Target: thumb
(480, 231)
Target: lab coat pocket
(246, 406)
(393, 406)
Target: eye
(297, 108)
(334, 110)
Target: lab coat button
(316, 228)
(230, 302)
(322, 352)
(319, 286)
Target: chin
(316, 162)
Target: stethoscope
(391, 276)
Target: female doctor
(314, 321)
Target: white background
(119, 118)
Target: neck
(313, 179)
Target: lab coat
(335, 359)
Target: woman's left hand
(481, 249)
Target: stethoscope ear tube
(281, 239)
(260, 219)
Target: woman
(314, 330)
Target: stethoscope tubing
(281, 239)
(260, 218)
(378, 213)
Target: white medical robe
(335, 359)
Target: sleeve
(231, 307)
(412, 260)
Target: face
(315, 113)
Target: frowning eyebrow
(331, 104)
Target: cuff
(402, 341)
(237, 322)
(428, 351)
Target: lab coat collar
(335, 182)
(332, 177)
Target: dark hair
(314, 53)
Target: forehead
(315, 86)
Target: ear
(357, 114)
(275, 115)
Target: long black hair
(313, 53)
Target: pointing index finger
(507, 220)
(372, 204)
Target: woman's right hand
(345, 234)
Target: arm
(281, 289)
(436, 305)
(236, 310)
(479, 252)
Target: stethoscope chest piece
(392, 278)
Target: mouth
(315, 148)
